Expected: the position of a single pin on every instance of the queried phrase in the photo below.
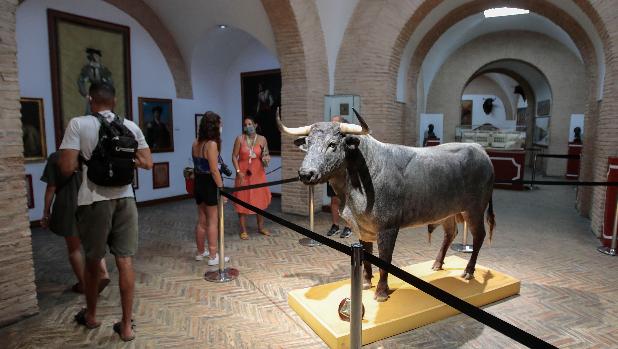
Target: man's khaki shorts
(110, 222)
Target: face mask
(221, 130)
(249, 129)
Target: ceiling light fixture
(504, 11)
(222, 26)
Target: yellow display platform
(406, 309)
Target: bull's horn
(361, 121)
(295, 131)
(361, 129)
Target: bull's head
(326, 144)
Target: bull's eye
(332, 145)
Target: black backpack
(112, 163)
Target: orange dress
(259, 197)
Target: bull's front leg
(386, 245)
(368, 275)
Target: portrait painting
(541, 131)
(157, 122)
(198, 119)
(261, 95)
(344, 109)
(83, 51)
(542, 107)
(466, 112)
(33, 129)
(29, 191)
(160, 175)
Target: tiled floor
(568, 294)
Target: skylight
(504, 11)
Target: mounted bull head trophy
(488, 105)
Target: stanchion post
(463, 247)
(222, 274)
(611, 251)
(307, 241)
(356, 297)
(533, 169)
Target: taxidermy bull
(384, 187)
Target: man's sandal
(80, 318)
(118, 329)
(244, 235)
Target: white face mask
(221, 130)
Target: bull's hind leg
(368, 248)
(450, 231)
(386, 245)
(477, 228)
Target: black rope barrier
(269, 172)
(559, 156)
(476, 313)
(575, 183)
(260, 185)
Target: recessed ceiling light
(222, 26)
(504, 11)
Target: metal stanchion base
(309, 242)
(228, 274)
(462, 248)
(607, 250)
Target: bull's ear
(301, 142)
(352, 142)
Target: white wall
(334, 17)
(146, 59)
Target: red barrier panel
(573, 164)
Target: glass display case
(490, 136)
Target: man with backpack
(108, 147)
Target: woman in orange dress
(250, 155)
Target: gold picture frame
(33, 129)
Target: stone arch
(445, 91)
(301, 51)
(150, 21)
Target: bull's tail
(491, 218)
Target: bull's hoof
(436, 266)
(468, 275)
(366, 285)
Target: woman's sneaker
(346, 232)
(215, 261)
(333, 230)
(200, 256)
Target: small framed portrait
(33, 129)
(160, 175)
(157, 122)
(542, 107)
(30, 191)
(135, 179)
(344, 109)
(198, 119)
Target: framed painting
(160, 175)
(261, 95)
(30, 191)
(541, 131)
(135, 179)
(198, 119)
(33, 129)
(466, 112)
(157, 122)
(542, 107)
(82, 51)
